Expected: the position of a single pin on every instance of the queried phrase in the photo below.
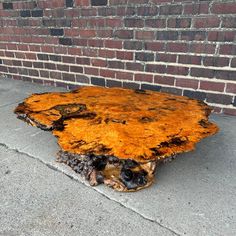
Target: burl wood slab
(118, 136)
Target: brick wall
(178, 46)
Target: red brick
(201, 72)
(145, 35)
(155, 68)
(124, 75)
(196, 8)
(228, 49)
(206, 22)
(87, 33)
(124, 55)
(216, 61)
(155, 23)
(107, 73)
(82, 2)
(143, 77)
(223, 8)
(113, 44)
(116, 64)
(186, 59)
(99, 62)
(154, 46)
(166, 57)
(164, 80)
(187, 83)
(231, 88)
(124, 34)
(106, 53)
(114, 22)
(91, 71)
(177, 70)
(202, 48)
(134, 66)
(213, 86)
(89, 52)
(83, 61)
(177, 47)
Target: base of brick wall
(108, 84)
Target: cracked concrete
(193, 195)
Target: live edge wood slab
(118, 136)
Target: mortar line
(103, 194)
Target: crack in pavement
(104, 195)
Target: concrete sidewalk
(193, 195)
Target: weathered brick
(143, 77)
(196, 8)
(134, 22)
(225, 74)
(107, 73)
(82, 79)
(145, 35)
(233, 62)
(167, 35)
(43, 57)
(215, 61)
(57, 32)
(229, 111)
(150, 87)
(156, 68)
(76, 69)
(98, 2)
(187, 83)
(68, 77)
(219, 98)
(124, 75)
(179, 22)
(69, 3)
(134, 66)
(113, 83)
(206, 22)
(37, 13)
(130, 85)
(186, 59)
(98, 81)
(116, 64)
(55, 58)
(144, 56)
(164, 80)
(155, 23)
(195, 94)
(229, 22)
(166, 57)
(171, 10)
(223, 8)
(7, 5)
(171, 90)
(201, 72)
(231, 88)
(25, 13)
(177, 70)
(124, 34)
(65, 41)
(193, 35)
(213, 86)
(147, 11)
(133, 45)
